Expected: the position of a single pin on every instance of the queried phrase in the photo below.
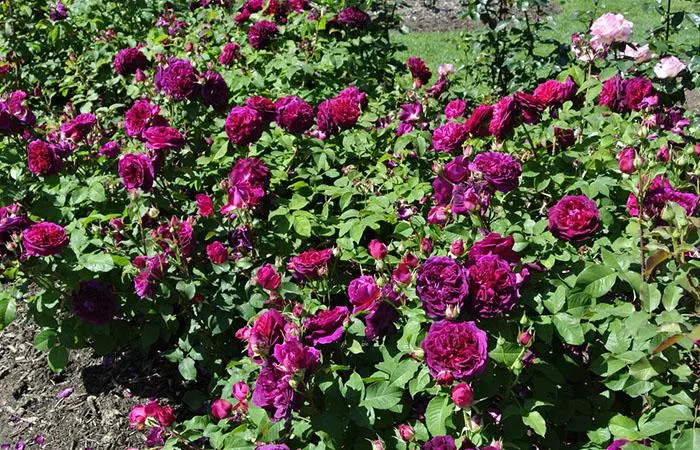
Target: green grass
(575, 15)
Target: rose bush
(338, 254)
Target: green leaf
(8, 311)
(623, 427)
(382, 395)
(535, 421)
(596, 280)
(506, 353)
(187, 369)
(58, 358)
(555, 302)
(302, 225)
(665, 420)
(671, 297)
(97, 262)
(187, 289)
(688, 440)
(45, 340)
(569, 328)
(436, 415)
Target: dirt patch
(692, 100)
(94, 416)
(446, 15)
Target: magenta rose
(442, 191)
(42, 158)
(552, 93)
(248, 180)
(492, 287)
(455, 350)
(500, 170)
(477, 124)
(161, 138)
(110, 149)
(268, 278)
(471, 197)
(441, 285)
(364, 294)
(420, 72)
(462, 396)
(353, 17)
(456, 170)
(128, 60)
(15, 115)
(381, 320)
(141, 116)
(574, 218)
(266, 332)
(311, 264)
(293, 357)
(220, 408)
(636, 90)
(294, 114)
(261, 34)
(136, 171)
(626, 160)
(44, 239)
(659, 194)
(205, 205)
(494, 244)
(449, 137)
(79, 127)
(217, 253)
(504, 118)
(612, 94)
(456, 108)
(377, 249)
(244, 125)
(94, 302)
(177, 79)
(344, 111)
(327, 325)
(440, 443)
(214, 90)
(264, 106)
(229, 53)
(529, 107)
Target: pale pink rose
(639, 53)
(669, 67)
(446, 69)
(611, 27)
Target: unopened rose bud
(406, 432)
(153, 212)
(452, 312)
(444, 377)
(377, 444)
(525, 338)
(377, 249)
(457, 248)
(463, 396)
(426, 245)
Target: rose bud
(444, 377)
(410, 260)
(457, 248)
(525, 339)
(406, 432)
(240, 391)
(463, 396)
(268, 278)
(220, 408)
(377, 249)
(426, 245)
(663, 154)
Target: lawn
(437, 47)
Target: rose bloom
(128, 60)
(268, 277)
(344, 111)
(248, 181)
(612, 94)
(327, 325)
(377, 249)
(244, 125)
(364, 294)
(42, 158)
(79, 127)
(141, 116)
(626, 160)
(205, 205)
(477, 124)
(493, 287)
(462, 395)
(94, 302)
(267, 331)
(553, 93)
(264, 106)
(611, 27)
(638, 53)
(311, 264)
(177, 79)
(504, 118)
(44, 239)
(441, 285)
(272, 447)
(456, 108)
(442, 190)
(406, 432)
(420, 72)
(220, 408)
(471, 197)
(229, 53)
(110, 149)
(161, 138)
(440, 443)
(449, 137)
(500, 170)
(574, 218)
(456, 350)
(456, 170)
(261, 33)
(353, 17)
(380, 322)
(214, 90)
(294, 114)
(15, 115)
(494, 244)
(217, 253)
(293, 357)
(636, 91)
(136, 171)
(669, 67)
(659, 194)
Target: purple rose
(494, 244)
(612, 94)
(94, 302)
(151, 272)
(294, 114)
(15, 115)
(477, 124)
(136, 171)
(229, 53)
(110, 149)
(217, 253)
(456, 170)
(177, 79)
(244, 125)
(272, 447)
(311, 264)
(42, 158)
(500, 170)
(239, 239)
(455, 350)
(440, 443)
(214, 90)
(128, 60)
(266, 333)
(420, 72)
(659, 194)
(636, 90)
(274, 394)
(141, 116)
(44, 239)
(79, 127)
(441, 285)
(442, 190)
(364, 294)
(456, 108)
(12, 221)
(626, 160)
(552, 93)
(327, 325)
(264, 106)
(248, 180)
(503, 120)
(574, 218)
(529, 107)
(162, 138)
(261, 33)
(471, 197)
(449, 137)
(380, 321)
(353, 17)
(293, 357)
(492, 285)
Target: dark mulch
(95, 414)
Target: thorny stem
(668, 19)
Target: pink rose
(462, 395)
(364, 294)
(220, 408)
(217, 253)
(268, 278)
(609, 28)
(639, 53)
(669, 67)
(377, 249)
